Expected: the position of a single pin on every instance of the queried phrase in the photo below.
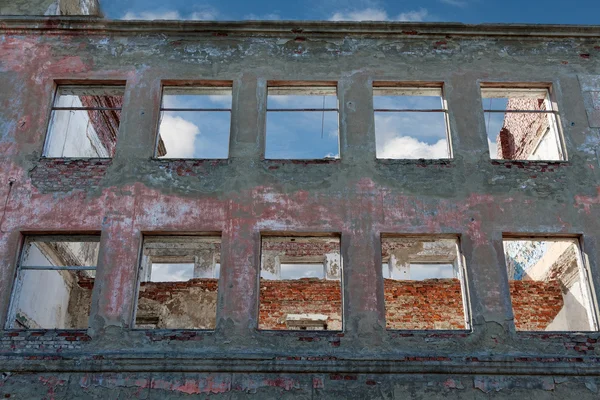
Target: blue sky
(467, 11)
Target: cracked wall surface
(358, 197)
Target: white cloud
(149, 15)
(377, 14)
(262, 17)
(179, 136)
(368, 14)
(172, 272)
(493, 148)
(455, 3)
(413, 16)
(206, 14)
(409, 147)
(408, 137)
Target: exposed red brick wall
(535, 303)
(106, 123)
(163, 291)
(521, 131)
(300, 296)
(62, 175)
(428, 304)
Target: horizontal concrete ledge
(175, 362)
(93, 25)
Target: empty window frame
(521, 124)
(195, 122)
(300, 283)
(178, 282)
(84, 122)
(549, 285)
(302, 122)
(411, 122)
(424, 283)
(54, 282)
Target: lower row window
(301, 283)
(53, 287)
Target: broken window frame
(583, 264)
(315, 88)
(493, 91)
(100, 86)
(418, 89)
(20, 268)
(205, 88)
(462, 275)
(145, 261)
(311, 260)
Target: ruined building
(320, 210)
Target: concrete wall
(358, 197)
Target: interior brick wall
(299, 296)
(163, 291)
(521, 131)
(535, 303)
(429, 304)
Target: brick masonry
(521, 132)
(60, 175)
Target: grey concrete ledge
(94, 25)
(409, 364)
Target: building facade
(468, 272)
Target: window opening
(300, 283)
(194, 122)
(55, 278)
(521, 124)
(411, 122)
(302, 122)
(424, 284)
(84, 122)
(178, 282)
(549, 285)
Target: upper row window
(411, 122)
(194, 122)
(84, 121)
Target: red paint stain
(51, 383)
(284, 383)
(318, 383)
(587, 202)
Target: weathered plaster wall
(50, 7)
(357, 196)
